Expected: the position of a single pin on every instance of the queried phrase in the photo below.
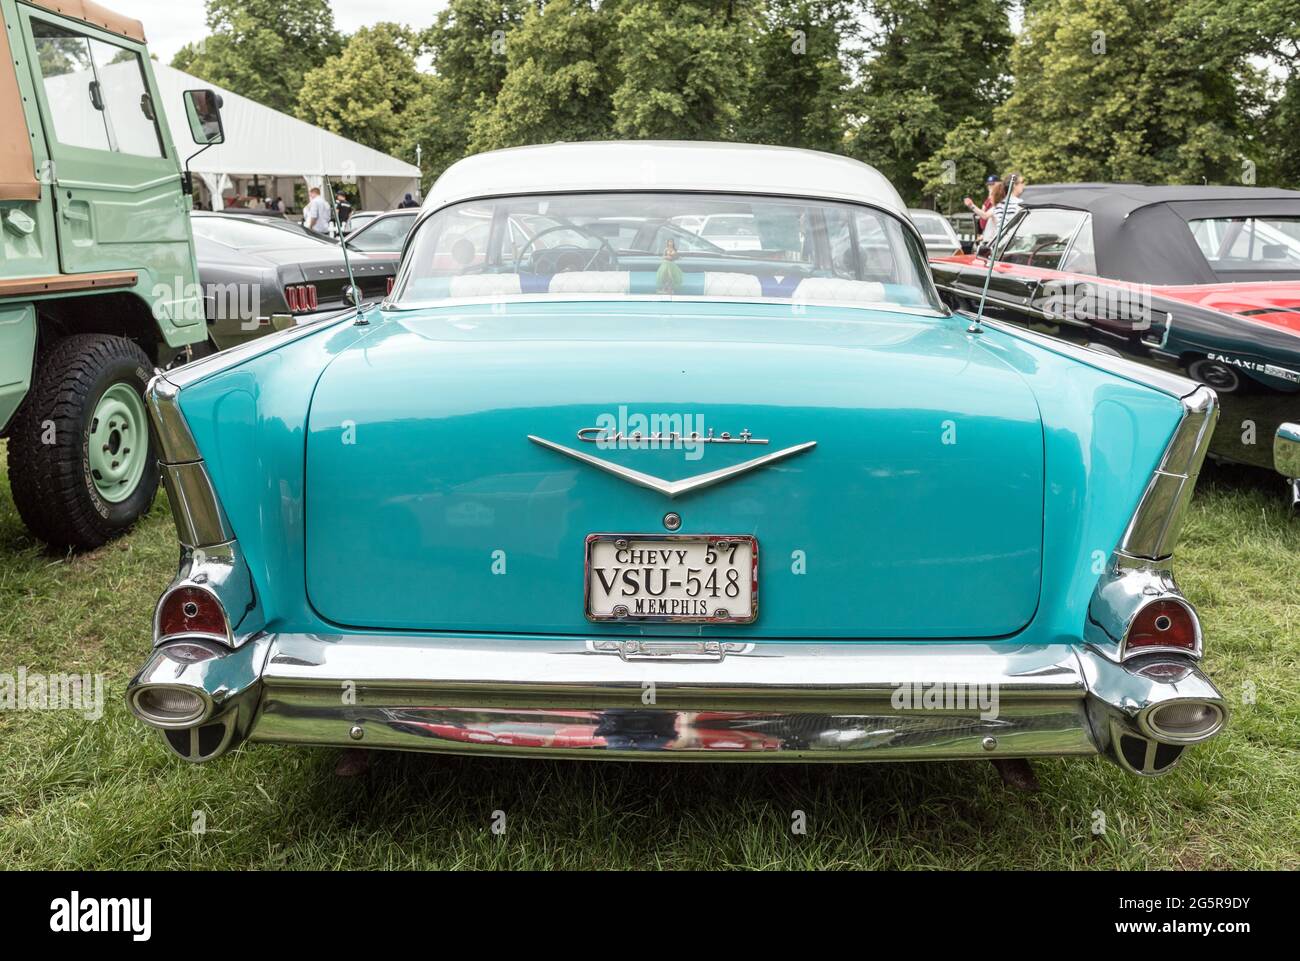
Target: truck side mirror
(203, 110)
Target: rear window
(1265, 244)
(386, 234)
(932, 226)
(697, 245)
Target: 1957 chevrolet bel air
(529, 504)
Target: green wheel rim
(118, 443)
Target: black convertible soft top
(1141, 231)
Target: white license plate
(689, 579)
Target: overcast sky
(170, 24)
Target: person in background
(316, 216)
(408, 202)
(997, 193)
(1015, 184)
(1005, 207)
(343, 207)
(982, 213)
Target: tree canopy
(261, 49)
(366, 92)
(935, 93)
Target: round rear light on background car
(1162, 624)
(191, 610)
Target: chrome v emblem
(686, 484)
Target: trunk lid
(917, 514)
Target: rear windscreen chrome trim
(655, 298)
(427, 213)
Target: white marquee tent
(279, 150)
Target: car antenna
(975, 327)
(353, 291)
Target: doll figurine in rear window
(669, 278)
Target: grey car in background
(261, 274)
(937, 233)
(385, 232)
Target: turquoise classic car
(587, 484)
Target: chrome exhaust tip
(170, 706)
(1182, 722)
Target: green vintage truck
(98, 283)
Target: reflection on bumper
(767, 702)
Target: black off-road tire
(49, 469)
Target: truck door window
(126, 99)
(96, 92)
(68, 74)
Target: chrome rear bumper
(687, 700)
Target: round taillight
(1163, 624)
(191, 610)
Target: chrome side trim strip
(1154, 528)
(679, 487)
(175, 441)
(196, 509)
(200, 520)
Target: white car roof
(663, 165)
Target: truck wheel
(81, 460)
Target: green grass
(106, 795)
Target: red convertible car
(1200, 280)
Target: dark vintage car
(1200, 280)
(260, 274)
